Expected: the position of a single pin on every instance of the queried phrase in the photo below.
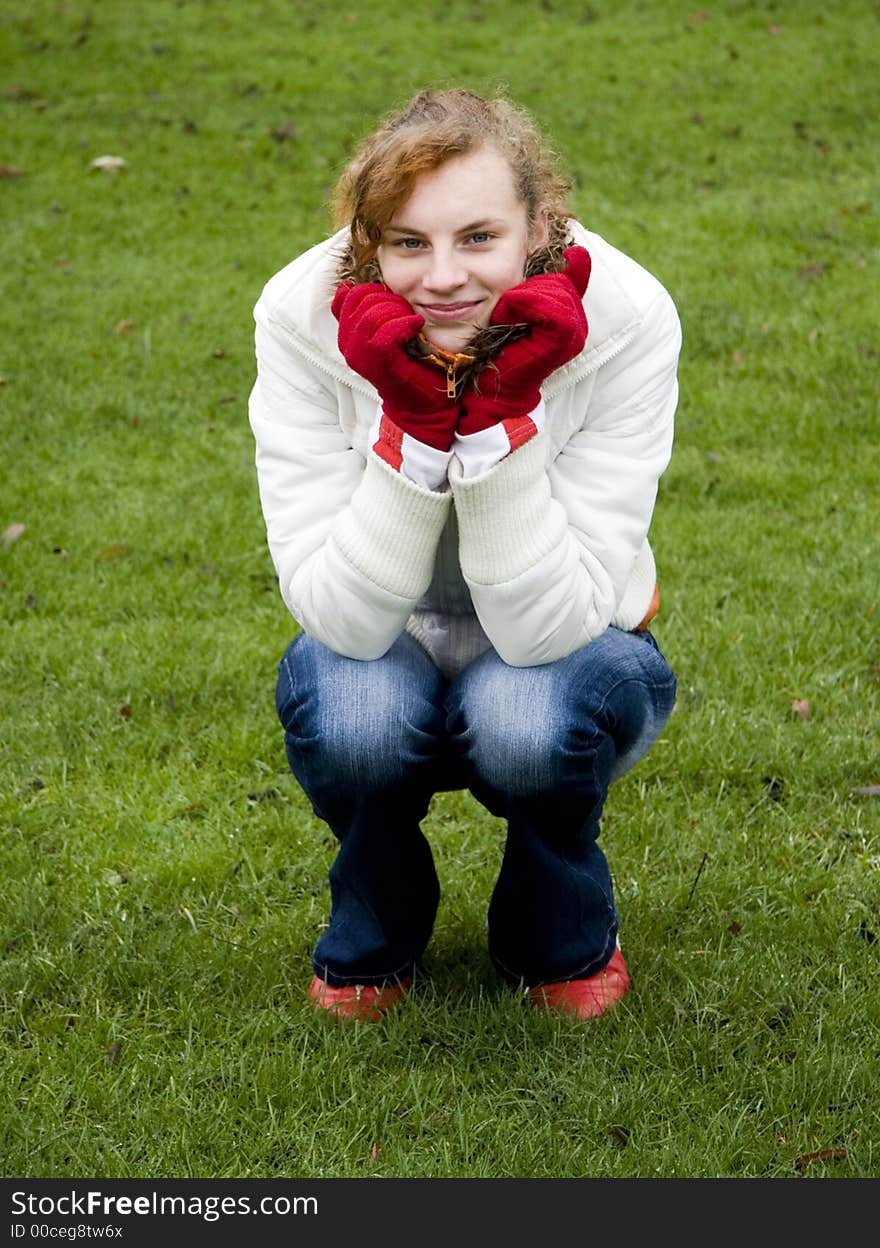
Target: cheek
(511, 266)
(396, 275)
(508, 274)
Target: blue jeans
(371, 742)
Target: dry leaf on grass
(109, 164)
(111, 552)
(11, 534)
(823, 1154)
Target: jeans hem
(404, 972)
(585, 971)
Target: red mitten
(374, 325)
(551, 304)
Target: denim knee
(527, 731)
(506, 724)
(359, 725)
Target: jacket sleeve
(555, 553)
(352, 541)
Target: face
(458, 243)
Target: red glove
(552, 306)
(374, 325)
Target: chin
(451, 338)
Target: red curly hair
(434, 127)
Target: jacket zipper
(349, 378)
(450, 380)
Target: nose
(445, 272)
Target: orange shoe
(367, 1003)
(586, 998)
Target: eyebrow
(471, 228)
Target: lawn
(162, 878)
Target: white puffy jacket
(536, 556)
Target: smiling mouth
(450, 311)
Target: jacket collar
(612, 316)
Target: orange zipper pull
(450, 380)
(450, 362)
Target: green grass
(163, 879)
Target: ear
(539, 235)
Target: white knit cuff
(391, 528)
(507, 518)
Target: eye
(409, 244)
(479, 237)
